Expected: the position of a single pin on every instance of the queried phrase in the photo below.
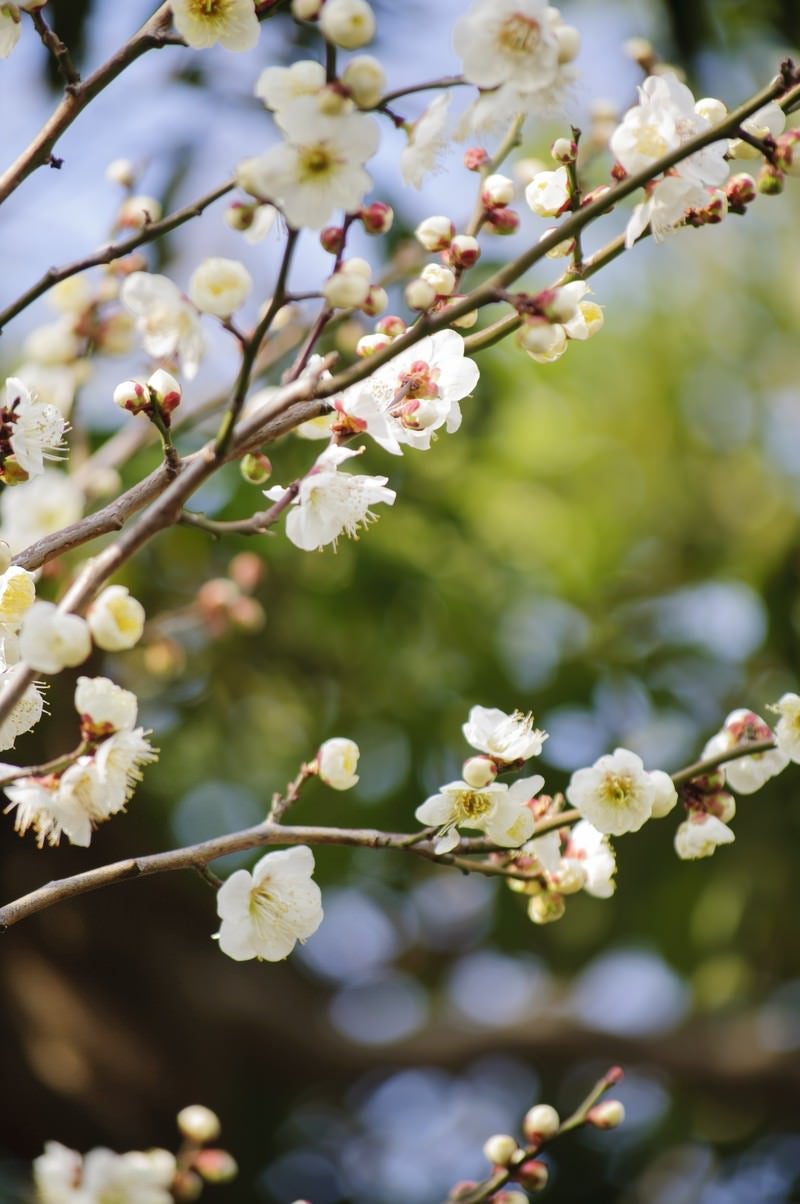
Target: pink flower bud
(533, 1175)
(540, 1123)
(392, 325)
(503, 221)
(435, 233)
(216, 1166)
(475, 157)
(332, 239)
(741, 191)
(377, 218)
(132, 396)
(564, 150)
(770, 180)
(607, 1115)
(463, 252)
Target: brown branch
(113, 251)
(61, 55)
(152, 36)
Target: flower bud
(533, 1174)
(132, 396)
(377, 218)
(345, 290)
(368, 344)
(540, 1123)
(137, 212)
(770, 180)
(497, 190)
(256, 468)
(164, 391)
(607, 1115)
(787, 152)
(365, 79)
(332, 239)
(336, 763)
(186, 1187)
(467, 320)
(116, 619)
(463, 252)
(721, 805)
(435, 233)
(561, 249)
(479, 772)
(216, 1166)
(240, 215)
(741, 191)
(503, 221)
(569, 43)
(122, 172)
(441, 279)
(509, 1196)
(564, 150)
(376, 302)
(546, 907)
(537, 336)
(392, 325)
(199, 1124)
(12, 472)
(419, 294)
(570, 878)
(641, 51)
(475, 157)
(306, 10)
(500, 1149)
(349, 24)
(713, 110)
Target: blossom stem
(711, 763)
(447, 81)
(61, 55)
(57, 765)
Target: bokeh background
(612, 542)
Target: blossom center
(471, 804)
(519, 34)
(617, 789)
(650, 142)
(315, 161)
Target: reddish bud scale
(377, 218)
(502, 220)
(332, 239)
(533, 1175)
(391, 325)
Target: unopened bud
(137, 212)
(770, 180)
(344, 290)
(503, 221)
(571, 878)
(546, 908)
(713, 110)
(216, 1166)
(500, 1149)
(467, 320)
(392, 325)
(721, 805)
(122, 172)
(479, 772)
(475, 157)
(198, 1123)
(607, 1115)
(787, 152)
(419, 294)
(306, 10)
(240, 215)
(164, 391)
(564, 150)
(641, 51)
(441, 279)
(435, 233)
(376, 302)
(741, 191)
(569, 43)
(463, 252)
(377, 218)
(561, 249)
(368, 344)
(497, 190)
(540, 1123)
(332, 239)
(132, 396)
(256, 468)
(533, 1174)
(365, 79)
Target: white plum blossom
(62, 1176)
(548, 193)
(503, 737)
(10, 28)
(408, 399)
(265, 913)
(593, 852)
(279, 86)
(665, 118)
(499, 810)
(55, 808)
(220, 286)
(116, 619)
(427, 142)
(118, 764)
(319, 168)
(105, 705)
(51, 640)
(665, 208)
(746, 774)
(787, 729)
(34, 429)
(17, 595)
(39, 507)
(24, 714)
(699, 836)
(330, 503)
(203, 23)
(618, 795)
(337, 761)
(168, 323)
